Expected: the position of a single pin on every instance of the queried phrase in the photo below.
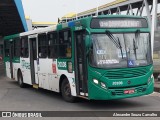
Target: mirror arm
(88, 31)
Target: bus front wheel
(66, 91)
(20, 80)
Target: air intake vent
(132, 72)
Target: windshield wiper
(115, 41)
(120, 47)
(135, 48)
(137, 33)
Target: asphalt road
(14, 98)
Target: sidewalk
(157, 86)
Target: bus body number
(62, 64)
(117, 83)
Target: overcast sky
(50, 10)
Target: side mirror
(89, 45)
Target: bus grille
(137, 90)
(132, 72)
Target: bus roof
(40, 30)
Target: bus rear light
(70, 69)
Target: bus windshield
(120, 50)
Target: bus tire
(20, 79)
(66, 91)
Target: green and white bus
(97, 58)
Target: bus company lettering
(62, 64)
(101, 62)
(120, 23)
(78, 28)
(25, 64)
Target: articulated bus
(97, 58)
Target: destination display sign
(119, 23)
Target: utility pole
(154, 23)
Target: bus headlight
(95, 81)
(149, 80)
(152, 76)
(103, 85)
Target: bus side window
(17, 47)
(65, 44)
(6, 51)
(42, 46)
(24, 47)
(52, 42)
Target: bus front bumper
(98, 93)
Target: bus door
(80, 62)
(33, 59)
(11, 49)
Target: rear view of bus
(120, 60)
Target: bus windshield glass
(120, 50)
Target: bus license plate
(129, 91)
